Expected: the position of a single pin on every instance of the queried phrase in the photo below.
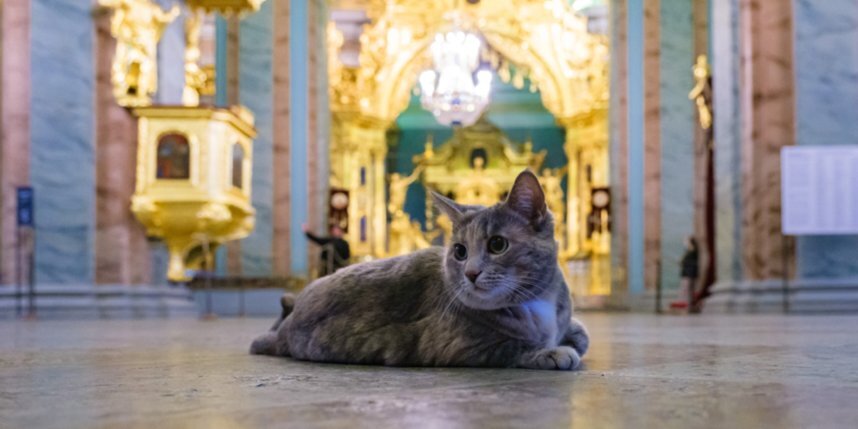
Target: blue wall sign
(25, 205)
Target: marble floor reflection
(643, 371)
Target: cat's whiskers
(451, 304)
(523, 291)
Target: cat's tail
(266, 344)
(287, 304)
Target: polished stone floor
(643, 372)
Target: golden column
(358, 151)
(586, 149)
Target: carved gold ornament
(137, 26)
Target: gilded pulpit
(193, 179)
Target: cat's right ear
(447, 206)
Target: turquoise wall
(62, 146)
(518, 113)
(677, 128)
(826, 33)
(256, 84)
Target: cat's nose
(472, 275)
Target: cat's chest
(534, 321)
(543, 316)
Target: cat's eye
(498, 245)
(460, 252)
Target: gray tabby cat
(495, 298)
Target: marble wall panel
(14, 124)
(299, 116)
(62, 152)
(827, 111)
(677, 120)
(171, 58)
(255, 88)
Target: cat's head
(501, 255)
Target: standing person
(689, 271)
(335, 250)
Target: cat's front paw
(563, 358)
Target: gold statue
(195, 77)
(478, 189)
(137, 25)
(406, 235)
(446, 225)
(398, 190)
(550, 180)
(700, 92)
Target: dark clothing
(335, 261)
(690, 264)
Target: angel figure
(137, 26)
(399, 188)
(701, 93)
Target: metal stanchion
(785, 272)
(241, 309)
(25, 234)
(658, 288)
(19, 273)
(209, 314)
(31, 293)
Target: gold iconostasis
(546, 44)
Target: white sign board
(819, 186)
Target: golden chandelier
(543, 41)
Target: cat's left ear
(449, 207)
(526, 197)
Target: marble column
(652, 139)
(754, 81)
(14, 123)
(255, 92)
(281, 177)
(229, 257)
(619, 146)
(768, 113)
(121, 250)
(727, 125)
(318, 123)
(636, 138)
(62, 149)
